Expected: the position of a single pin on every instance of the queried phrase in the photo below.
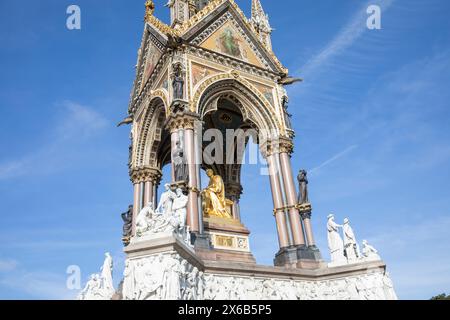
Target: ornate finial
(260, 21)
(149, 8)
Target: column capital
(145, 174)
(277, 145)
(181, 120)
(304, 207)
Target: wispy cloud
(8, 265)
(77, 123)
(333, 159)
(350, 33)
(80, 122)
(13, 169)
(38, 285)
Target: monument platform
(206, 279)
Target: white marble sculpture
(172, 218)
(347, 251)
(91, 289)
(179, 208)
(335, 243)
(100, 286)
(369, 252)
(350, 243)
(168, 276)
(143, 219)
(106, 274)
(129, 281)
(166, 201)
(162, 277)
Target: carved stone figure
(335, 243)
(166, 201)
(303, 187)
(106, 274)
(142, 220)
(350, 244)
(130, 149)
(200, 285)
(178, 82)
(180, 208)
(179, 162)
(190, 289)
(128, 286)
(127, 218)
(100, 286)
(285, 104)
(369, 252)
(172, 285)
(148, 223)
(92, 286)
(214, 197)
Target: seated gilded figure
(214, 202)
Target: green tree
(442, 296)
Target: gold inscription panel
(224, 241)
(230, 242)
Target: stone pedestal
(229, 241)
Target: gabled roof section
(153, 47)
(215, 14)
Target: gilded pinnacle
(149, 8)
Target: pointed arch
(150, 135)
(255, 108)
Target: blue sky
(371, 119)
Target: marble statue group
(345, 250)
(168, 217)
(100, 285)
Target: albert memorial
(213, 70)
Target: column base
(300, 257)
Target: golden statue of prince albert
(214, 202)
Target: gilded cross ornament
(149, 8)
